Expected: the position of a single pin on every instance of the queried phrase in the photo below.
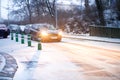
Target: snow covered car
(4, 31)
(14, 28)
(46, 33)
(27, 28)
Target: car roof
(3, 26)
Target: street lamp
(56, 14)
(8, 13)
(0, 9)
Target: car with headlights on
(46, 33)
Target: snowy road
(98, 60)
(66, 60)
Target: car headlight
(44, 33)
(60, 33)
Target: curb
(9, 68)
(2, 62)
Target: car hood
(53, 31)
(2, 28)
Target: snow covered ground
(48, 63)
(35, 64)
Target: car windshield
(46, 27)
(51, 27)
(2, 27)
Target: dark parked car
(46, 33)
(4, 31)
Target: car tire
(59, 40)
(43, 40)
(32, 38)
(5, 36)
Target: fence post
(12, 36)
(16, 37)
(22, 38)
(29, 40)
(39, 45)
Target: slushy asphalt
(8, 64)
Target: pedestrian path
(92, 38)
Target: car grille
(53, 34)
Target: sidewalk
(92, 38)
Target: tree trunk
(100, 12)
(118, 9)
(87, 9)
(29, 10)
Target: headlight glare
(44, 33)
(60, 33)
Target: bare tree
(37, 7)
(26, 5)
(51, 7)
